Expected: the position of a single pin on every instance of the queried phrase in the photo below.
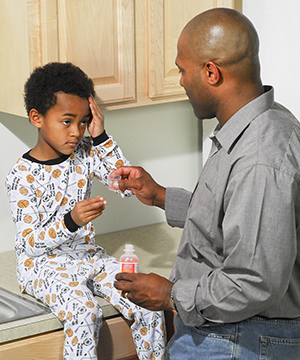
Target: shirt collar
(226, 135)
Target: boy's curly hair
(46, 81)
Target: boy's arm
(108, 156)
(36, 235)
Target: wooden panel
(165, 22)
(43, 27)
(47, 347)
(116, 340)
(85, 33)
(115, 344)
(14, 65)
(98, 38)
(234, 4)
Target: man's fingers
(124, 276)
(129, 172)
(124, 170)
(134, 184)
(124, 281)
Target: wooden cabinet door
(96, 35)
(166, 19)
(129, 67)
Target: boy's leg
(148, 329)
(63, 287)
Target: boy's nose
(75, 131)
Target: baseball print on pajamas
(61, 265)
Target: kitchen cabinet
(115, 343)
(166, 19)
(97, 36)
(127, 47)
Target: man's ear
(213, 73)
(35, 118)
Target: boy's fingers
(95, 202)
(95, 108)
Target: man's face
(193, 80)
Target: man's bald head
(218, 60)
(225, 37)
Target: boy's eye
(66, 122)
(84, 122)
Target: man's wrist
(172, 300)
(159, 199)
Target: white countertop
(155, 245)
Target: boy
(49, 191)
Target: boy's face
(63, 126)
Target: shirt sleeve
(176, 206)
(259, 251)
(33, 233)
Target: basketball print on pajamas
(66, 269)
(63, 288)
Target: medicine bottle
(129, 262)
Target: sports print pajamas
(59, 262)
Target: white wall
(11, 147)
(161, 138)
(278, 27)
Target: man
(236, 280)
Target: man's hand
(150, 291)
(142, 185)
(96, 125)
(87, 210)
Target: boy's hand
(87, 210)
(96, 125)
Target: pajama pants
(68, 283)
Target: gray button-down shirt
(239, 253)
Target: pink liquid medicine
(129, 262)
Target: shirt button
(218, 145)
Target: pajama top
(239, 253)
(42, 194)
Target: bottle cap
(129, 248)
